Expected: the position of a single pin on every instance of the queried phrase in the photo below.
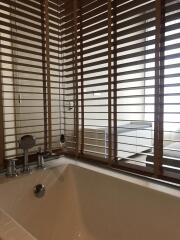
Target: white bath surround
(89, 203)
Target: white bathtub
(88, 203)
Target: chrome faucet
(26, 142)
(41, 164)
(11, 170)
(26, 168)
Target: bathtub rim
(148, 182)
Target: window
(171, 89)
(105, 74)
(30, 75)
(127, 72)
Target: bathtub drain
(39, 190)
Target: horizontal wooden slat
(20, 11)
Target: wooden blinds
(101, 75)
(121, 73)
(111, 60)
(171, 116)
(30, 71)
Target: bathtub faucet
(11, 170)
(40, 154)
(26, 168)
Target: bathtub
(89, 203)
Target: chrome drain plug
(39, 190)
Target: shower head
(26, 142)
